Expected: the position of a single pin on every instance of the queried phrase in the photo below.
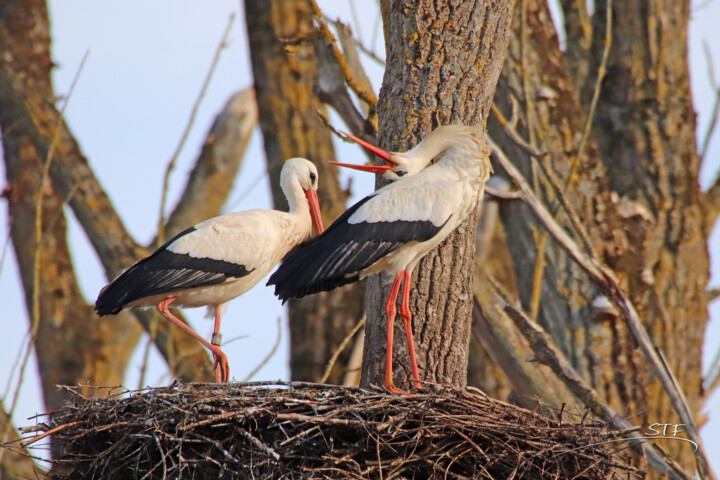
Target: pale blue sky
(146, 64)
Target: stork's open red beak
(314, 202)
(379, 169)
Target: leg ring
(216, 339)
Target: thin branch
(716, 107)
(596, 94)
(340, 349)
(361, 46)
(216, 168)
(540, 242)
(509, 126)
(269, 355)
(565, 203)
(366, 95)
(605, 279)
(502, 195)
(188, 127)
(35, 299)
(547, 353)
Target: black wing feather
(162, 272)
(337, 257)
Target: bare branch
(604, 278)
(596, 94)
(188, 126)
(271, 354)
(547, 353)
(361, 91)
(716, 107)
(115, 247)
(347, 40)
(215, 170)
(340, 348)
(331, 88)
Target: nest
(290, 430)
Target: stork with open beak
(219, 259)
(394, 227)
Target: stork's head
(303, 172)
(397, 165)
(447, 140)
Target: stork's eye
(400, 173)
(312, 177)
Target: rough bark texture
(551, 118)
(443, 61)
(98, 354)
(645, 128)
(291, 127)
(32, 128)
(635, 190)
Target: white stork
(393, 228)
(219, 259)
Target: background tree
(652, 230)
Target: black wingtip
(108, 302)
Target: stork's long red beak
(314, 202)
(380, 169)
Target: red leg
(390, 316)
(222, 368)
(407, 322)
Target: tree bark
(634, 188)
(291, 127)
(645, 128)
(72, 351)
(443, 61)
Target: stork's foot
(222, 367)
(393, 389)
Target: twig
(146, 354)
(35, 302)
(258, 443)
(367, 51)
(548, 354)
(46, 433)
(562, 199)
(716, 107)
(540, 242)
(604, 278)
(509, 127)
(596, 94)
(188, 126)
(366, 95)
(340, 348)
(256, 181)
(269, 355)
(502, 195)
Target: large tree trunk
(634, 187)
(443, 61)
(645, 128)
(291, 128)
(72, 352)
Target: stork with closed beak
(219, 259)
(394, 227)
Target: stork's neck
(463, 146)
(297, 203)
